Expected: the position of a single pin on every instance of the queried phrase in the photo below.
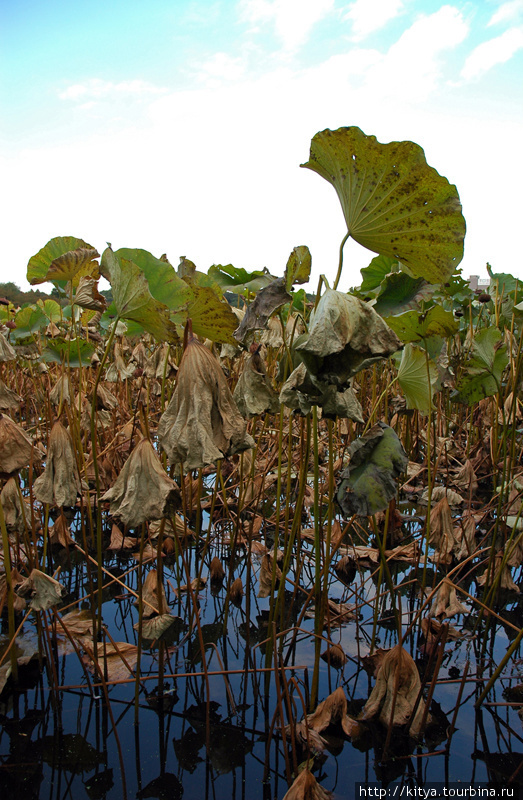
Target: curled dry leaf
(119, 541)
(465, 536)
(153, 595)
(118, 370)
(442, 532)
(306, 787)
(333, 711)
(153, 627)
(142, 491)
(301, 391)
(7, 353)
(62, 392)
(217, 571)
(196, 585)
(335, 656)
(41, 591)
(88, 296)
(201, 423)
(16, 448)
(236, 591)
(446, 603)
(60, 533)
(396, 691)
(438, 493)
(9, 400)
(497, 569)
(119, 660)
(19, 603)
(265, 576)
(17, 512)
(59, 483)
(466, 479)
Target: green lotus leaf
(298, 269)
(376, 272)
(132, 297)
(413, 326)
(29, 320)
(369, 482)
(74, 352)
(238, 280)
(393, 202)
(400, 293)
(51, 309)
(162, 281)
(211, 316)
(417, 377)
(39, 264)
(484, 370)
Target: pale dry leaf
(59, 483)
(306, 787)
(41, 591)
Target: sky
(179, 127)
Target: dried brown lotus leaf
(105, 398)
(196, 585)
(466, 479)
(301, 391)
(60, 534)
(153, 595)
(119, 370)
(253, 393)
(59, 483)
(492, 574)
(217, 571)
(306, 787)
(72, 264)
(465, 536)
(438, 493)
(332, 711)
(17, 512)
(201, 423)
(236, 591)
(9, 400)
(442, 532)
(41, 591)
(119, 660)
(396, 692)
(265, 576)
(153, 627)
(515, 551)
(446, 603)
(335, 656)
(19, 603)
(88, 296)
(17, 450)
(142, 491)
(158, 364)
(7, 353)
(119, 541)
(62, 392)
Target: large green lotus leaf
(369, 482)
(132, 297)
(376, 272)
(51, 309)
(39, 264)
(400, 292)
(393, 202)
(211, 316)
(238, 280)
(29, 320)
(502, 283)
(345, 336)
(162, 281)
(75, 352)
(417, 377)
(298, 269)
(482, 377)
(413, 326)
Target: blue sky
(179, 126)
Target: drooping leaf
(345, 336)
(162, 281)
(75, 352)
(298, 267)
(39, 264)
(267, 301)
(393, 202)
(239, 280)
(40, 590)
(400, 292)
(417, 376)
(413, 326)
(369, 482)
(133, 299)
(484, 369)
(504, 283)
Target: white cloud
(97, 89)
(221, 68)
(293, 19)
(495, 51)
(507, 12)
(368, 16)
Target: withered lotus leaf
(201, 423)
(41, 591)
(119, 659)
(60, 534)
(396, 691)
(266, 302)
(142, 491)
(332, 711)
(301, 391)
(88, 296)
(446, 604)
(62, 392)
(345, 336)
(7, 353)
(153, 627)
(17, 513)
(16, 448)
(499, 572)
(306, 787)
(59, 483)
(253, 393)
(153, 595)
(9, 400)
